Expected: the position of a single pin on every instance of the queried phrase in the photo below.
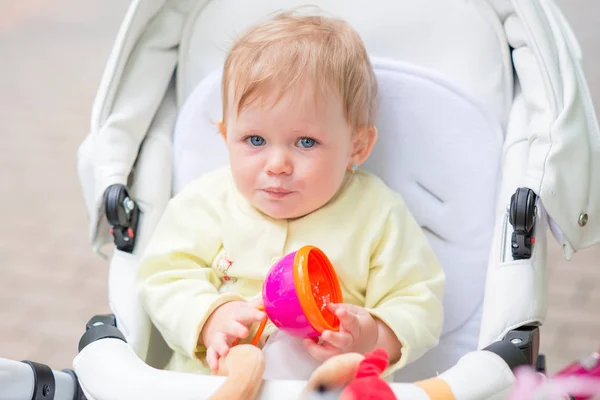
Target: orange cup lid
(317, 285)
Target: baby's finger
(333, 307)
(235, 329)
(348, 321)
(220, 344)
(341, 340)
(212, 358)
(320, 352)
(249, 315)
(256, 303)
(350, 308)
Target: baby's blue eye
(256, 141)
(306, 142)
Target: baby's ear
(222, 129)
(362, 145)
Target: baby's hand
(358, 333)
(227, 323)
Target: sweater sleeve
(405, 286)
(175, 281)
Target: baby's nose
(279, 163)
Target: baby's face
(289, 159)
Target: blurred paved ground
(52, 53)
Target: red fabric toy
(368, 384)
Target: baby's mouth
(277, 192)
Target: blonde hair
(290, 49)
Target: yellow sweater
(211, 246)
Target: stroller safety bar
(488, 375)
(106, 357)
(112, 360)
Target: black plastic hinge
(519, 347)
(100, 327)
(526, 339)
(522, 219)
(122, 214)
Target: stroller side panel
(151, 182)
(553, 147)
(560, 127)
(135, 81)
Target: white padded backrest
(437, 147)
(463, 39)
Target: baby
(298, 120)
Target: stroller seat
(437, 164)
(464, 142)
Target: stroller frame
(526, 206)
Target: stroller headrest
(463, 39)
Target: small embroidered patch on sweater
(223, 264)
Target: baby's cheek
(244, 176)
(328, 183)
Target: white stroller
(486, 128)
